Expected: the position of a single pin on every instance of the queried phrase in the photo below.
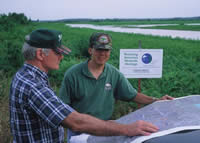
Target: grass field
(181, 63)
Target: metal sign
(141, 63)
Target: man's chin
(101, 63)
(55, 68)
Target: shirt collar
(87, 73)
(36, 71)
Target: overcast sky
(64, 9)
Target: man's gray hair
(29, 52)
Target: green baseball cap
(46, 38)
(101, 41)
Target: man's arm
(144, 99)
(88, 124)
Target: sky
(67, 9)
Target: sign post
(139, 80)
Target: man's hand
(166, 97)
(141, 128)
(144, 99)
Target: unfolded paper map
(169, 116)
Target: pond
(193, 35)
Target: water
(194, 35)
(152, 25)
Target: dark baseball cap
(46, 38)
(101, 41)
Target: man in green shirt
(93, 86)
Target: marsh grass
(5, 135)
(180, 65)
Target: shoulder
(30, 75)
(26, 78)
(27, 82)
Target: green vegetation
(180, 64)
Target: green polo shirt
(95, 96)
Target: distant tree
(7, 22)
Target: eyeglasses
(103, 50)
(57, 52)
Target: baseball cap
(101, 41)
(46, 38)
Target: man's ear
(90, 51)
(39, 54)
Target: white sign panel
(141, 63)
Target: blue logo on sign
(146, 58)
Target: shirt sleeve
(48, 106)
(124, 90)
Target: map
(169, 116)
